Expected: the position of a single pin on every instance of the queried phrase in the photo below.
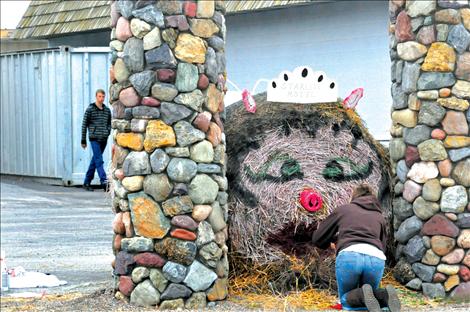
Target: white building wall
(347, 39)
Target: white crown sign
(302, 85)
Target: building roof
(52, 18)
(240, 6)
(6, 33)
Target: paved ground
(67, 232)
(63, 231)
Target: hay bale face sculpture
(289, 167)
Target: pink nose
(311, 200)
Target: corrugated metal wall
(43, 97)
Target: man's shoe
(363, 297)
(388, 298)
(105, 186)
(394, 304)
(370, 301)
(88, 187)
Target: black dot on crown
(320, 78)
(304, 72)
(274, 84)
(286, 77)
(332, 85)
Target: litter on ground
(20, 278)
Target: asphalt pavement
(65, 231)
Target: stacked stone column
(168, 175)
(430, 147)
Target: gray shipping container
(44, 94)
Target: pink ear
(248, 101)
(353, 99)
(311, 200)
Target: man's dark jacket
(98, 122)
(361, 221)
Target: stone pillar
(430, 147)
(168, 164)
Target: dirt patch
(103, 300)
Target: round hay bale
(275, 154)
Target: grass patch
(313, 298)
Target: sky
(11, 12)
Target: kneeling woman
(360, 230)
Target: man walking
(97, 120)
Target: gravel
(102, 300)
(87, 272)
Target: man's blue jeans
(354, 270)
(96, 163)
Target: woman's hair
(362, 190)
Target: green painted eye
(290, 169)
(341, 169)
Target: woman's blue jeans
(353, 270)
(96, 163)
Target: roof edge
(54, 36)
(280, 6)
(23, 33)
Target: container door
(89, 72)
(34, 87)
